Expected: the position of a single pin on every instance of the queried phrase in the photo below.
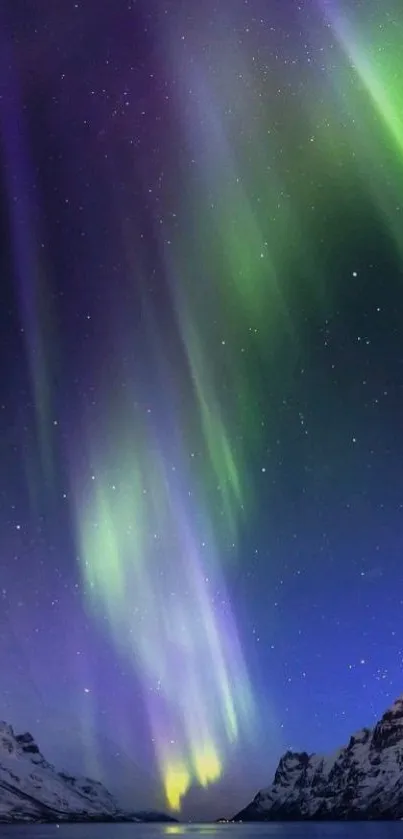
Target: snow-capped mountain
(32, 789)
(363, 780)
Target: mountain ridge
(363, 780)
(32, 790)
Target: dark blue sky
(127, 119)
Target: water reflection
(330, 830)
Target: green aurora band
(152, 535)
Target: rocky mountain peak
(289, 764)
(361, 780)
(395, 710)
(389, 730)
(31, 788)
(360, 737)
(18, 744)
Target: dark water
(335, 830)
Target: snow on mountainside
(32, 789)
(363, 780)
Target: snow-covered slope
(32, 789)
(363, 780)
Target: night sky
(201, 399)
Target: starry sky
(201, 396)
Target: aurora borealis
(202, 377)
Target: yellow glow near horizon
(207, 766)
(177, 781)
